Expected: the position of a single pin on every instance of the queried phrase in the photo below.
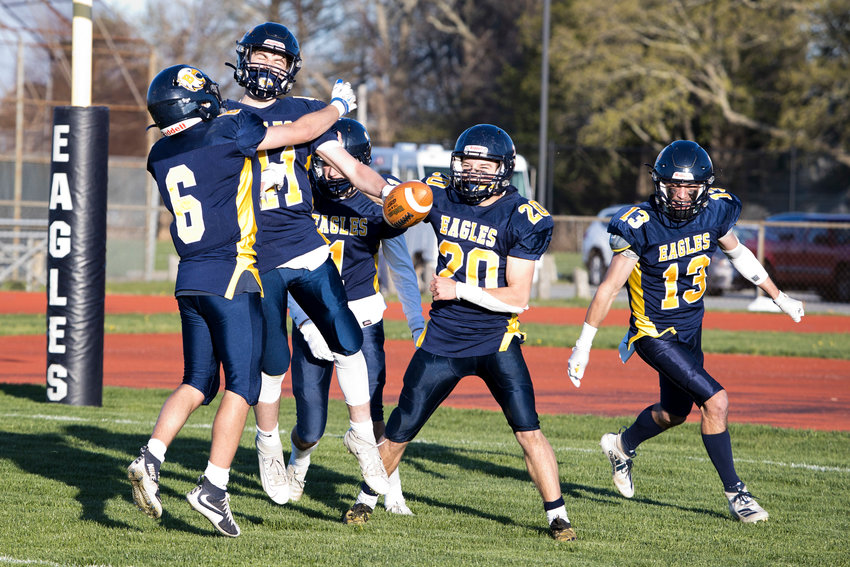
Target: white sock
(157, 448)
(557, 513)
(394, 494)
(269, 440)
(364, 430)
(217, 476)
(367, 499)
(353, 378)
(300, 458)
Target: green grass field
(67, 501)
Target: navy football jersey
(667, 285)
(286, 214)
(209, 179)
(474, 243)
(354, 227)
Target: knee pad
(270, 390)
(353, 377)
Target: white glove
(581, 354)
(316, 341)
(577, 364)
(342, 97)
(272, 176)
(792, 307)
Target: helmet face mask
(474, 183)
(356, 141)
(263, 79)
(181, 96)
(682, 174)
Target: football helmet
(682, 163)
(263, 81)
(355, 139)
(483, 141)
(181, 96)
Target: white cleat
(398, 507)
(743, 506)
(621, 464)
(273, 474)
(297, 480)
(369, 457)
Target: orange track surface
(809, 393)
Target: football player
(295, 257)
(489, 238)
(662, 248)
(355, 227)
(208, 174)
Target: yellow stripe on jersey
(246, 255)
(645, 327)
(375, 283)
(512, 331)
(422, 335)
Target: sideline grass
(764, 343)
(67, 501)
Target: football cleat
(369, 457)
(398, 507)
(621, 464)
(296, 482)
(357, 515)
(743, 506)
(561, 530)
(213, 503)
(273, 473)
(144, 476)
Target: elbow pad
(746, 263)
(478, 296)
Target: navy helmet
(355, 139)
(682, 163)
(483, 141)
(181, 96)
(262, 81)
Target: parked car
(596, 255)
(808, 256)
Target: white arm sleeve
(406, 281)
(297, 314)
(743, 260)
(479, 296)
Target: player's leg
(428, 380)
(236, 328)
(199, 379)
(373, 352)
(311, 380)
(275, 361)
(507, 377)
(321, 294)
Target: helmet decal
(190, 79)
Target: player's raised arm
(311, 126)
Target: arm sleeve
(405, 280)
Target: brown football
(407, 204)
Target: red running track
(803, 393)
